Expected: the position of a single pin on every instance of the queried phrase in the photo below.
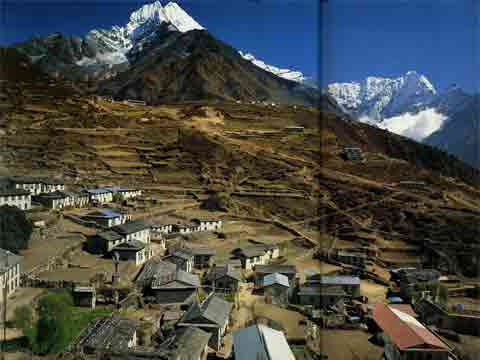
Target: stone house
(134, 230)
(84, 296)
(108, 334)
(104, 242)
(56, 200)
(212, 315)
(350, 284)
(276, 287)
(322, 298)
(259, 254)
(101, 196)
(202, 256)
(10, 270)
(19, 198)
(350, 258)
(133, 250)
(177, 288)
(224, 278)
(182, 257)
(208, 224)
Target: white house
(208, 224)
(17, 197)
(54, 200)
(52, 185)
(162, 228)
(10, 268)
(259, 254)
(33, 185)
(134, 230)
(108, 218)
(125, 192)
(101, 195)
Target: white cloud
(415, 126)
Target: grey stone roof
(112, 333)
(256, 250)
(270, 269)
(189, 343)
(130, 227)
(152, 269)
(202, 251)
(110, 235)
(220, 271)
(183, 253)
(178, 280)
(8, 259)
(318, 291)
(213, 309)
(130, 245)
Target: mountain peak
(381, 97)
(155, 12)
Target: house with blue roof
(108, 218)
(100, 195)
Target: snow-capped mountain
(114, 44)
(283, 73)
(377, 98)
(103, 50)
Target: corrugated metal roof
(8, 259)
(261, 342)
(339, 280)
(275, 278)
(404, 330)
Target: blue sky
(346, 39)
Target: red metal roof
(405, 308)
(405, 331)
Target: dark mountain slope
(196, 66)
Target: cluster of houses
(49, 192)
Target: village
(190, 283)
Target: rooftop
(130, 227)
(270, 269)
(152, 269)
(8, 259)
(110, 235)
(130, 245)
(189, 343)
(275, 278)
(177, 280)
(261, 342)
(213, 309)
(405, 331)
(107, 213)
(220, 271)
(112, 333)
(334, 280)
